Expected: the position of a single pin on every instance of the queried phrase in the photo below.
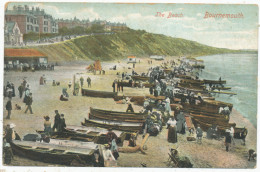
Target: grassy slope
(120, 45)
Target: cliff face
(121, 45)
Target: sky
(233, 33)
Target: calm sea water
(240, 72)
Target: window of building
(45, 22)
(28, 19)
(31, 20)
(28, 27)
(37, 29)
(45, 29)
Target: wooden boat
(222, 92)
(218, 117)
(141, 78)
(220, 88)
(52, 153)
(139, 100)
(198, 66)
(122, 126)
(137, 84)
(183, 76)
(116, 116)
(94, 93)
(214, 81)
(87, 134)
(205, 126)
(191, 81)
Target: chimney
(20, 8)
(26, 7)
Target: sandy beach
(210, 154)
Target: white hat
(12, 125)
(7, 145)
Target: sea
(240, 72)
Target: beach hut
(131, 59)
(16, 57)
(156, 57)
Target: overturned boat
(117, 116)
(95, 93)
(53, 152)
(121, 126)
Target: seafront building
(31, 20)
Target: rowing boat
(95, 93)
(206, 81)
(191, 81)
(205, 126)
(139, 100)
(222, 92)
(183, 76)
(208, 118)
(87, 134)
(117, 116)
(52, 153)
(198, 66)
(136, 84)
(141, 78)
(121, 126)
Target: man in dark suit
(28, 103)
(8, 108)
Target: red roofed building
(14, 58)
(131, 59)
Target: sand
(210, 154)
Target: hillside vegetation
(121, 45)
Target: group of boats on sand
(78, 143)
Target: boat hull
(101, 94)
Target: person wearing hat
(56, 120)
(130, 108)
(199, 134)
(47, 125)
(8, 154)
(28, 102)
(61, 125)
(172, 132)
(9, 133)
(108, 156)
(227, 140)
(110, 136)
(8, 107)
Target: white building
(13, 34)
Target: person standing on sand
(122, 86)
(28, 102)
(8, 108)
(62, 124)
(21, 90)
(199, 134)
(47, 125)
(81, 81)
(114, 86)
(172, 132)
(227, 141)
(89, 81)
(56, 120)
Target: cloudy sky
(236, 33)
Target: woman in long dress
(172, 132)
